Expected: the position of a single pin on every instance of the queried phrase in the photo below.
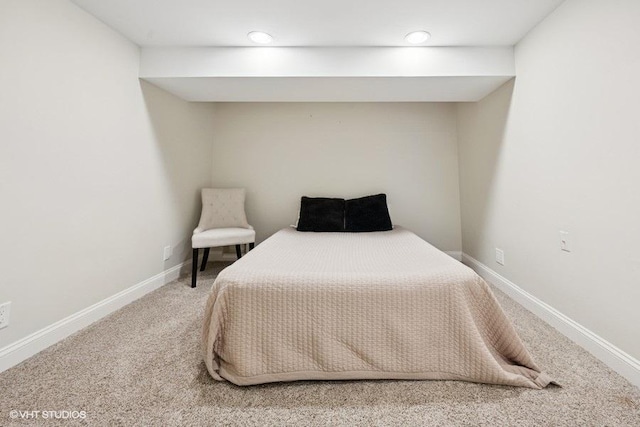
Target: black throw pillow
(321, 214)
(367, 214)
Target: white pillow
(223, 208)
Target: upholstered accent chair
(223, 222)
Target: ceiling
(320, 23)
(329, 50)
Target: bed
(345, 306)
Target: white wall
(98, 172)
(558, 150)
(282, 151)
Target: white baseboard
(455, 255)
(225, 257)
(616, 359)
(32, 344)
(218, 254)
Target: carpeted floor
(142, 366)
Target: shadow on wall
(183, 133)
(482, 127)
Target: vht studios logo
(57, 415)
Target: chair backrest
(223, 208)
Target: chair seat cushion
(223, 237)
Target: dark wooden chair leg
(194, 268)
(252, 245)
(238, 252)
(205, 258)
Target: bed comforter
(343, 306)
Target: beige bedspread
(334, 306)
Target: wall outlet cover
(5, 310)
(500, 256)
(564, 241)
(168, 251)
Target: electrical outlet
(564, 241)
(5, 310)
(500, 256)
(167, 252)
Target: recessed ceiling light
(260, 37)
(417, 37)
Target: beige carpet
(142, 366)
